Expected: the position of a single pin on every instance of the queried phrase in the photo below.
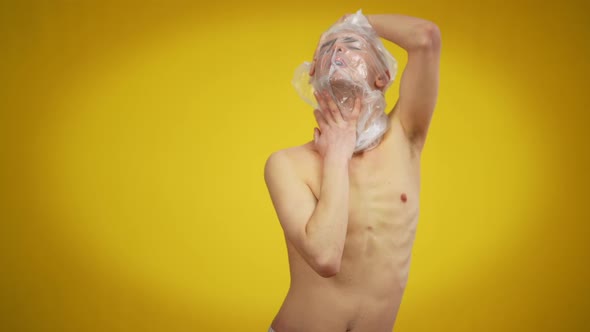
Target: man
(349, 216)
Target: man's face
(345, 56)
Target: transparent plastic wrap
(350, 62)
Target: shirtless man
(349, 219)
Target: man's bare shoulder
(292, 161)
(294, 155)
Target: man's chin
(345, 92)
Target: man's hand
(337, 133)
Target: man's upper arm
(419, 85)
(293, 200)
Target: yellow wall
(133, 138)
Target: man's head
(349, 62)
(347, 55)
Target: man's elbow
(327, 266)
(427, 37)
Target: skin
(349, 220)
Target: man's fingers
(316, 135)
(334, 110)
(356, 110)
(347, 114)
(324, 107)
(319, 117)
(321, 102)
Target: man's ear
(312, 69)
(382, 79)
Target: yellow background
(133, 137)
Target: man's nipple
(403, 197)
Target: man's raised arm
(419, 82)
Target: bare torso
(383, 212)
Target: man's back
(383, 212)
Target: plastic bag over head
(350, 61)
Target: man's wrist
(338, 156)
(374, 23)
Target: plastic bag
(349, 62)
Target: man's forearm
(405, 31)
(326, 229)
